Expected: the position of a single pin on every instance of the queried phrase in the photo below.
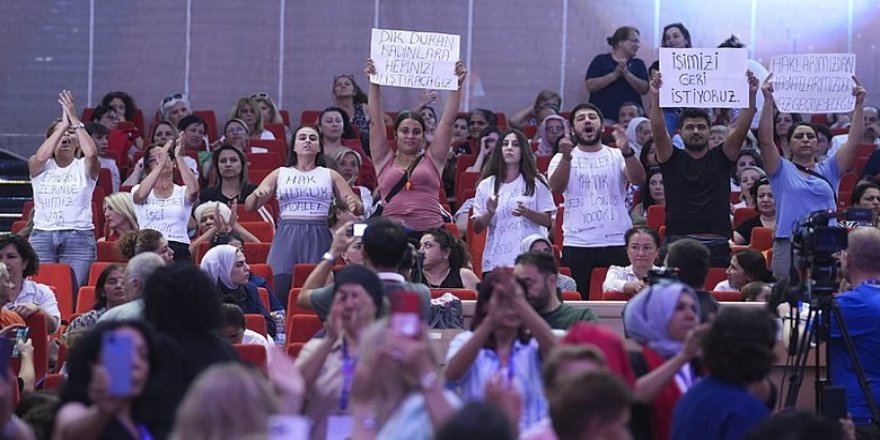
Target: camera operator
(860, 310)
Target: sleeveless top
(418, 207)
(452, 281)
(63, 197)
(168, 216)
(302, 194)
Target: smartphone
(406, 314)
(21, 335)
(117, 354)
(357, 229)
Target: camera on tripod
(816, 243)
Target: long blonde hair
(227, 401)
(123, 203)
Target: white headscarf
(631, 134)
(218, 263)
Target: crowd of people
(565, 200)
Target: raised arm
(459, 364)
(189, 178)
(47, 148)
(769, 153)
(633, 168)
(86, 144)
(559, 179)
(161, 156)
(520, 119)
(263, 193)
(506, 286)
(733, 144)
(380, 151)
(439, 148)
(846, 155)
(662, 142)
(319, 275)
(651, 384)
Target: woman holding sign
(802, 185)
(161, 204)
(410, 177)
(63, 185)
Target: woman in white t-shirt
(513, 200)
(63, 185)
(305, 189)
(161, 204)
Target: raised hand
(754, 84)
(656, 83)
(620, 139)
(767, 87)
(460, 72)
(427, 98)
(859, 92)
(565, 147)
(370, 68)
(178, 146)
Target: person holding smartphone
(104, 400)
(506, 343)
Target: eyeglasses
(173, 97)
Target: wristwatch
(328, 257)
(78, 126)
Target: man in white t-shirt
(593, 179)
(870, 136)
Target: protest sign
(420, 60)
(704, 78)
(814, 83)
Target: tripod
(822, 307)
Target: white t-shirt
(190, 162)
(110, 164)
(507, 231)
(306, 194)
(595, 199)
(168, 216)
(63, 197)
(40, 294)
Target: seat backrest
(571, 295)
(264, 297)
(85, 299)
(715, 276)
(656, 216)
(257, 253)
(256, 322)
(262, 230)
(59, 275)
(295, 309)
(95, 271)
(253, 354)
(107, 252)
(761, 239)
(301, 272)
(265, 271)
(301, 328)
(727, 296)
(597, 277)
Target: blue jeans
(70, 246)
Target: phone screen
(406, 314)
(21, 335)
(116, 356)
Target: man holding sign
(697, 179)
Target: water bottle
(278, 317)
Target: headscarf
(206, 207)
(544, 147)
(646, 316)
(218, 263)
(631, 133)
(366, 278)
(529, 241)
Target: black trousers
(582, 261)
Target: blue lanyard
(348, 365)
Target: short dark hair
(860, 189)
(582, 106)
(739, 346)
(693, 113)
(691, 258)
(587, 396)
(407, 114)
(641, 230)
(754, 265)
(823, 129)
(231, 315)
(477, 420)
(384, 242)
(491, 118)
(180, 298)
(24, 249)
(797, 124)
(458, 256)
(543, 261)
(130, 106)
(797, 425)
(96, 129)
(190, 120)
(100, 111)
(347, 130)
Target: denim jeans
(70, 246)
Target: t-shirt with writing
(697, 193)
(595, 198)
(507, 231)
(619, 91)
(168, 216)
(63, 197)
(304, 194)
(565, 316)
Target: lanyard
(348, 365)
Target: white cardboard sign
(420, 60)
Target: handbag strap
(404, 179)
(815, 174)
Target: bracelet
(78, 126)
(328, 257)
(429, 380)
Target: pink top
(418, 207)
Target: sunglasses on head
(170, 98)
(260, 95)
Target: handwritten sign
(419, 60)
(704, 78)
(814, 83)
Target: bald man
(860, 309)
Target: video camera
(816, 243)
